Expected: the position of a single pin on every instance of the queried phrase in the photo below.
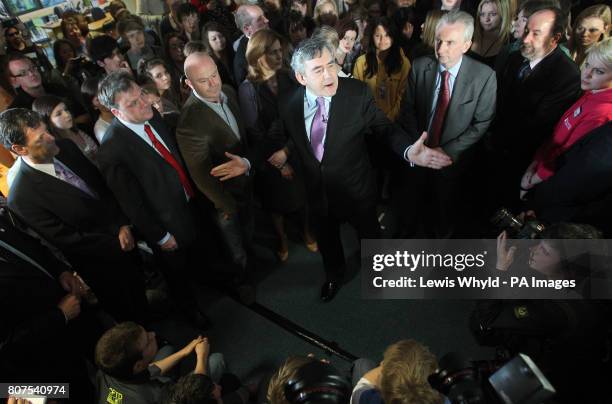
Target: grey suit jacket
(203, 138)
(471, 109)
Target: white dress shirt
(138, 129)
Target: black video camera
(515, 227)
(318, 383)
(518, 381)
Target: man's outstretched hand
(235, 167)
(424, 156)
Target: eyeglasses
(12, 34)
(31, 71)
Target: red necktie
(170, 160)
(435, 132)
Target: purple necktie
(67, 175)
(317, 130)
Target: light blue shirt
(223, 110)
(310, 110)
(453, 71)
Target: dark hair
(89, 89)
(56, 51)
(346, 24)
(194, 47)
(115, 6)
(531, 6)
(147, 64)
(131, 23)
(166, 47)
(294, 21)
(148, 86)
(393, 61)
(193, 389)
(102, 47)
(576, 246)
(14, 123)
(184, 10)
(45, 105)
(407, 14)
(117, 350)
(69, 20)
(560, 23)
(113, 84)
(215, 27)
(11, 57)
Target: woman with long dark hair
(384, 68)
(60, 124)
(219, 48)
(156, 70)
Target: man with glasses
(25, 78)
(16, 43)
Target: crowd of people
(151, 137)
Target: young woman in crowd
(326, 13)
(72, 33)
(428, 34)
(592, 26)
(491, 31)
(155, 70)
(174, 43)
(280, 193)
(102, 115)
(60, 124)
(384, 68)
(347, 34)
(218, 47)
(592, 110)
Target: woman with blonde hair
(591, 111)
(591, 26)
(267, 79)
(492, 31)
(428, 34)
(326, 13)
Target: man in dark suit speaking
(452, 97)
(327, 121)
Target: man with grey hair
(249, 20)
(452, 98)
(143, 167)
(327, 121)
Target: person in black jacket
(40, 300)
(537, 86)
(581, 189)
(62, 196)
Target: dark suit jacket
(240, 63)
(343, 183)
(203, 138)
(471, 109)
(581, 188)
(28, 302)
(81, 226)
(528, 110)
(148, 189)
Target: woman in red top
(592, 110)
